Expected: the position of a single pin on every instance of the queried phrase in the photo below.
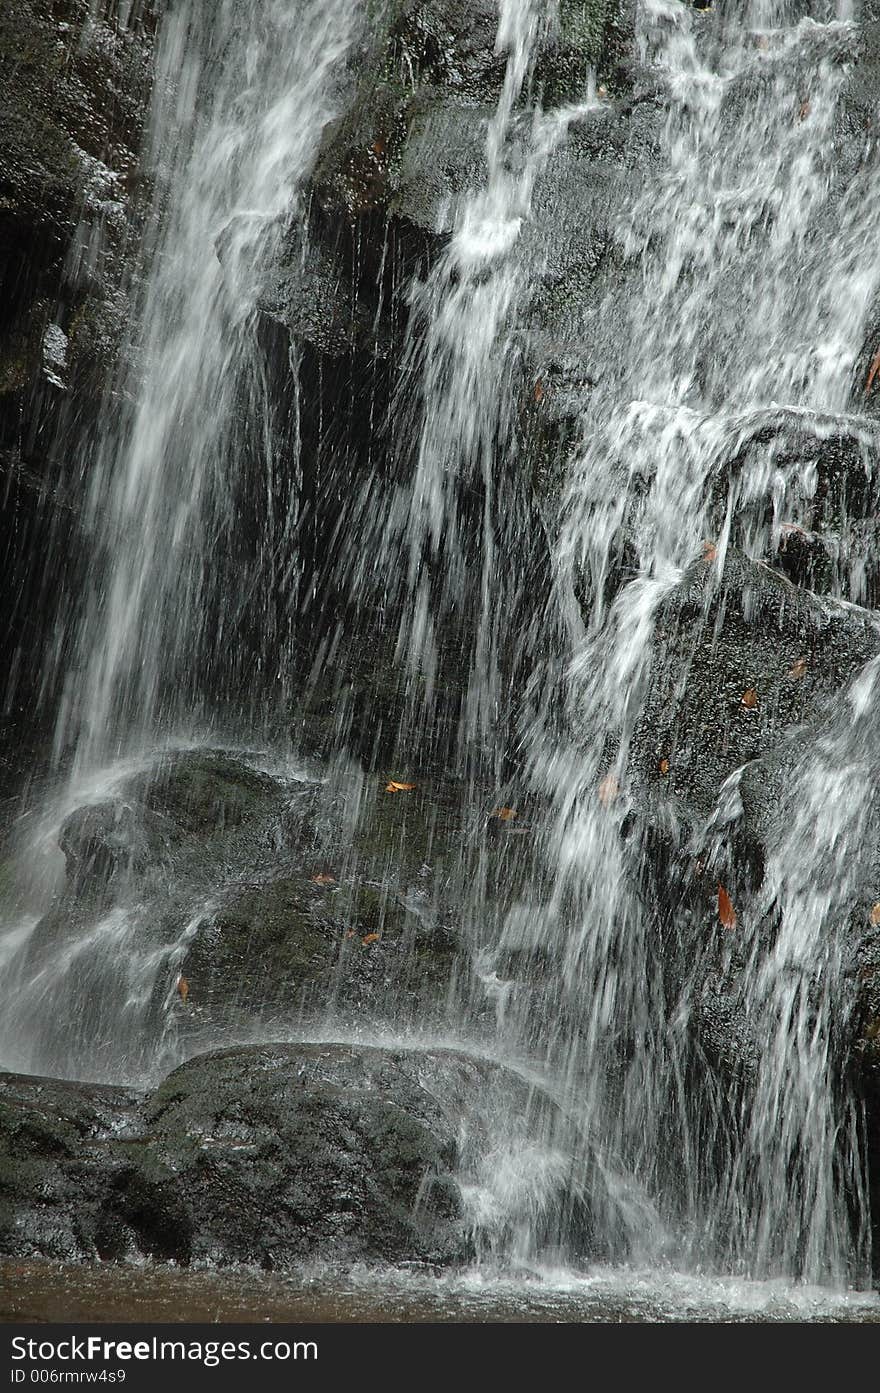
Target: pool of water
(38, 1290)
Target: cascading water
(240, 104)
(730, 327)
(238, 109)
(755, 275)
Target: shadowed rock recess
(475, 855)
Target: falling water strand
(458, 500)
(238, 110)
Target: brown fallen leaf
(378, 147)
(875, 914)
(710, 551)
(726, 911)
(663, 766)
(539, 391)
(182, 989)
(323, 878)
(396, 787)
(872, 372)
(371, 938)
(505, 814)
(608, 789)
(803, 111)
(749, 698)
(798, 669)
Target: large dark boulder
(289, 1152)
(276, 1154)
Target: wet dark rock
(276, 899)
(171, 813)
(73, 88)
(748, 696)
(290, 947)
(751, 631)
(287, 1152)
(355, 911)
(410, 139)
(207, 791)
(145, 860)
(55, 1166)
(274, 1154)
(264, 1154)
(817, 528)
(111, 839)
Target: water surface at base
(50, 1291)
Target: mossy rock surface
(208, 791)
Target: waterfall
(753, 278)
(726, 320)
(238, 110)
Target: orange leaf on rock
(505, 814)
(726, 911)
(710, 551)
(182, 989)
(804, 111)
(323, 878)
(371, 938)
(749, 698)
(872, 372)
(396, 787)
(663, 766)
(539, 390)
(798, 669)
(875, 914)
